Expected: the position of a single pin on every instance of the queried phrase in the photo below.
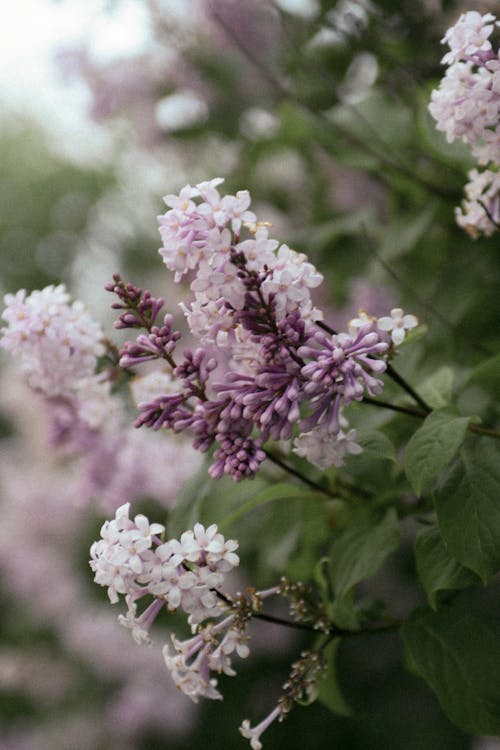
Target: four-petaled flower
(397, 324)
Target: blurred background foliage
(319, 108)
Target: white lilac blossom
(193, 661)
(131, 559)
(466, 106)
(325, 449)
(480, 211)
(254, 734)
(397, 323)
(57, 341)
(363, 319)
(468, 39)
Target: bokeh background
(319, 108)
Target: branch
(488, 214)
(296, 473)
(341, 485)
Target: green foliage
(457, 651)
(436, 568)
(329, 691)
(376, 444)
(433, 446)
(436, 390)
(468, 509)
(359, 551)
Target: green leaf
(329, 691)
(359, 551)
(487, 374)
(314, 532)
(437, 389)
(457, 652)
(404, 232)
(432, 447)
(376, 444)
(468, 507)
(344, 612)
(321, 577)
(280, 491)
(187, 510)
(437, 569)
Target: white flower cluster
(467, 103)
(467, 106)
(58, 342)
(201, 231)
(131, 559)
(193, 660)
(480, 211)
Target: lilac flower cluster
(263, 370)
(467, 106)
(58, 342)
(58, 345)
(131, 559)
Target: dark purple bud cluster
(337, 374)
(194, 371)
(140, 307)
(270, 399)
(237, 455)
(164, 411)
(300, 377)
(159, 343)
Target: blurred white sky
(30, 33)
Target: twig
(333, 631)
(489, 431)
(296, 473)
(488, 214)
(394, 407)
(341, 485)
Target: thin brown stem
(394, 407)
(488, 214)
(333, 630)
(407, 387)
(296, 473)
(489, 431)
(343, 486)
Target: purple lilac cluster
(263, 370)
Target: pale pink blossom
(324, 449)
(397, 324)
